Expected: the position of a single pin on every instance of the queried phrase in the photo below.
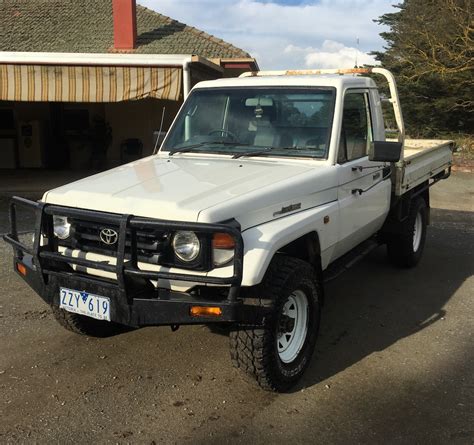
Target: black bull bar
(135, 301)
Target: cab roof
(327, 80)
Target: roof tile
(87, 26)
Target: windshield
(292, 122)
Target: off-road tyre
(254, 350)
(401, 249)
(80, 324)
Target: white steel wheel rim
(417, 232)
(292, 335)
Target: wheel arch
(400, 211)
(307, 248)
(424, 192)
(308, 235)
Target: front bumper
(135, 300)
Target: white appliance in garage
(30, 145)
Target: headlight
(61, 227)
(186, 246)
(223, 246)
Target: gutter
(104, 59)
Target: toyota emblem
(108, 236)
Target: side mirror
(383, 151)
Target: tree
(430, 48)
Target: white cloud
(267, 29)
(331, 54)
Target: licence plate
(84, 303)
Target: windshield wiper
(253, 153)
(184, 149)
(201, 144)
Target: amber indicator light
(21, 268)
(223, 241)
(205, 311)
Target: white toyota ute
(265, 187)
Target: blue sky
(288, 33)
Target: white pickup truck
(264, 187)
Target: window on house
(356, 130)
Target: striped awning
(56, 83)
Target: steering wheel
(223, 131)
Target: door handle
(376, 177)
(361, 167)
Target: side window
(356, 130)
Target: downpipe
(186, 78)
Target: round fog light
(61, 227)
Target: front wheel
(406, 248)
(277, 353)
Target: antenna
(159, 133)
(357, 53)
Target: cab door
(363, 191)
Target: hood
(181, 188)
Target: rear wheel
(406, 248)
(277, 353)
(80, 324)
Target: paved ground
(394, 362)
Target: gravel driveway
(394, 362)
